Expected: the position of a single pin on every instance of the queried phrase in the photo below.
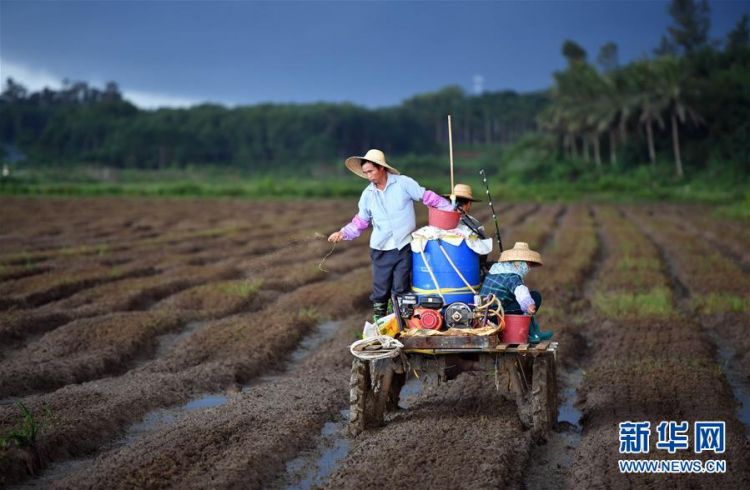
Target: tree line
(82, 124)
(691, 97)
(689, 102)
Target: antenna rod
(492, 207)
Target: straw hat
(522, 252)
(373, 156)
(464, 191)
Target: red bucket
(516, 329)
(446, 220)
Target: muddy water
(312, 468)
(736, 379)
(568, 413)
(169, 340)
(410, 391)
(307, 346)
(163, 418)
(550, 464)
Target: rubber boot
(535, 335)
(379, 310)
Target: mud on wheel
(544, 396)
(370, 393)
(537, 402)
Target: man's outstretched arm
(434, 200)
(351, 231)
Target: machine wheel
(543, 397)
(520, 372)
(359, 391)
(366, 404)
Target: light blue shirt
(391, 211)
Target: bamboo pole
(450, 149)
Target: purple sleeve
(355, 228)
(436, 201)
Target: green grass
(641, 264)
(508, 183)
(714, 303)
(737, 210)
(656, 303)
(308, 315)
(25, 433)
(242, 289)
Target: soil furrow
(245, 442)
(575, 259)
(647, 364)
(214, 357)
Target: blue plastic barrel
(451, 285)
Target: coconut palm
(672, 90)
(651, 103)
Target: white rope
(456, 268)
(432, 276)
(380, 347)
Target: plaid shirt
(503, 287)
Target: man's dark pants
(391, 272)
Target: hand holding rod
(492, 207)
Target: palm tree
(672, 91)
(619, 104)
(651, 104)
(578, 89)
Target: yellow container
(388, 325)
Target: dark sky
(371, 53)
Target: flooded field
(200, 343)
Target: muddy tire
(367, 406)
(543, 397)
(359, 387)
(519, 372)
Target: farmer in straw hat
(505, 281)
(387, 204)
(464, 199)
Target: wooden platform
(450, 342)
(546, 347)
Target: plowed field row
(276, 270)
(111, 309)
(730, 236)
(282, 416)
(717, 291)
(219, 354)
(648, 363)
(73, 223)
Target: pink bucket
(516, 329)
(446, 220)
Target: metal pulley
(459, 315)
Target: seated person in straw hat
(388, 204)
(464, 198)
(505, 281)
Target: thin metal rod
(492, 207)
